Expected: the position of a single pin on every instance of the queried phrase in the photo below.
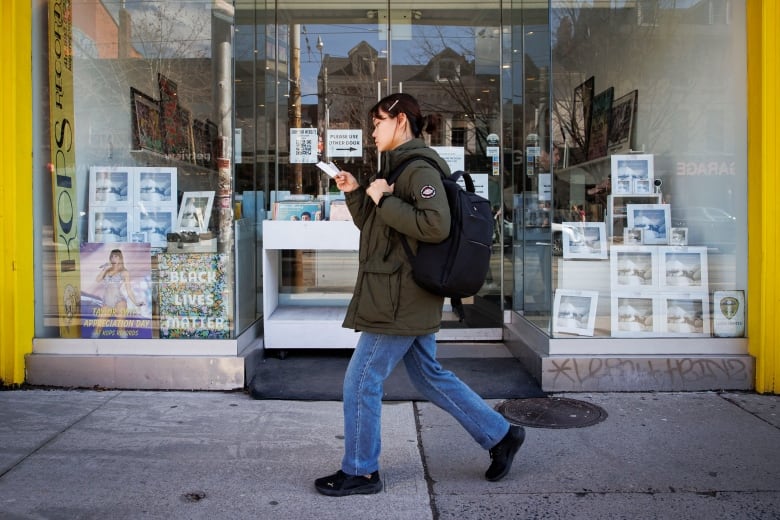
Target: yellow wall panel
(16, 247)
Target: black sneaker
(340, 484)
(503, 453)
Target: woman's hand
(346, 182)
(378, 188)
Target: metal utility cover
(551, 412)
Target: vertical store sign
(63, 166)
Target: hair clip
(393, 105)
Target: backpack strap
(398, 170)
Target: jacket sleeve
(357, 203)
(419, 207)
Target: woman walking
(398, 319)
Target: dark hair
(395, 104)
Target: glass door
(313, 71)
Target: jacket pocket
(380, 292)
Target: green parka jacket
(386, 299)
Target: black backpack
(457, 267)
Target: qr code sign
(303, 145)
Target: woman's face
(389, 132)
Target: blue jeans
(372, 362)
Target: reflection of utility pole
(294, 101)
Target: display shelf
(303, 326)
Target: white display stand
(302, 326)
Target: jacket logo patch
(428, 192)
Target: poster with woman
(116, 291)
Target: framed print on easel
(575, 311)
(195, 211)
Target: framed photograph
(633, 267)
(155, 224)
(110, 186)
(632, 174)
(147, 131)
(599, 124)
(685, 314)
(617, 213)
(634, 314)
(678, 236)
(155, 186)
(654, 219)
(109, 224)
(581, 112)
(621, 126)
(575, 311)
(632, 236)
(586, 240)
(195, 211)
(683, 268)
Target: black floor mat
(319, 377)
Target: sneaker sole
(362, 490)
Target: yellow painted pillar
(763, 195)
(16, 227)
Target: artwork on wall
(599, 124)
(581, 114)
(621, 126)
(146, 129)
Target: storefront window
(644, 201)
(137, 220)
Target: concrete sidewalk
(171, 455)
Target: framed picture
(685, 314)
(155, 186)
(575, 311)
(599, 124)
(110, 186)
(108, 225)
(581, 112)
(155, 224)
(632, 236)
(683, 268)
(587, 240)
(195, 211)
(632, 174)
(634, 314)
(147, 132)
(678, 236)
(617, 217)
(654, 219)
(621, 126)
(633, 267)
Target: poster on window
(193, 295)
(116, 291)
